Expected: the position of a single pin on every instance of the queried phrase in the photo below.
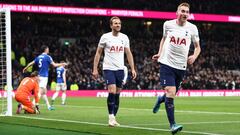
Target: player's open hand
(95, 74)
(155, 57)
(134, 74)
(64, 64)
(191, 59)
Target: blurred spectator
(216, 68)
(206, 6)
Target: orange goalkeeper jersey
(27, 87)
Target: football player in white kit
(114, 44)
(173, 57)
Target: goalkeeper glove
(37, 108)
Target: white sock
(46, 100)
(111, 116)
(63, 98)
(55, 95)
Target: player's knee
(170, 92)
(112, 91)
(112, 88)
(43, 91)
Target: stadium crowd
(206, 6)
(217, 67)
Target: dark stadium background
(216, 68)
(206, 106)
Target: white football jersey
(113, 50)
(177, 43)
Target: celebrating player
(173, 57)
(61, 84)
(114, 44)
(28, 86)
(43, 61)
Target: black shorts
(114, 77)
(171, 76)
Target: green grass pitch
(88, 116)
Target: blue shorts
(171, 76)
(114, 77)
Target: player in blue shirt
(43, 61)
(61, 84)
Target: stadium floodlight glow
(116, 12)
(66, 43)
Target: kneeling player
(28, 86)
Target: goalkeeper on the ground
(27, 87)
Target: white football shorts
(43, 82)
(60, 86)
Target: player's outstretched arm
(131, 62)
(156, 56)
(29, 64)
(197, 50)
(58, 64)
(96, 61)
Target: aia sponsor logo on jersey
(178, 41)
(116, 49)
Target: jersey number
(58, 74)
(40, 63)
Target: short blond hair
(112, 18)
(183, 4)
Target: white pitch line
(123, 126)
(178, 111)
(191, 123)
(156, 129)
(206, 112)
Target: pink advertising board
(146, 93)
(115, 12)
(152, 93)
